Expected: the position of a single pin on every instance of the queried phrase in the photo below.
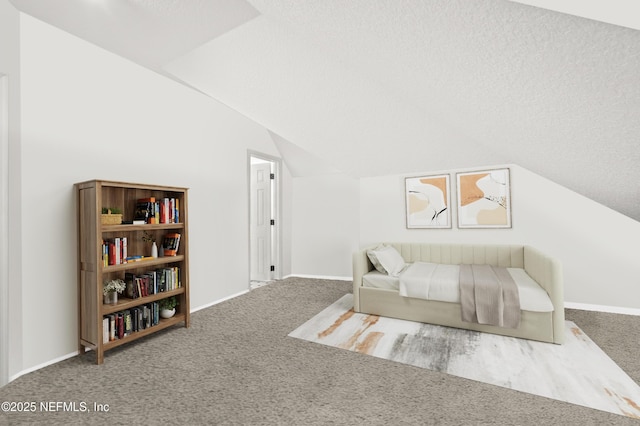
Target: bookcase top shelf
(105, 183)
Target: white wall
(597, 246)
(10, 304)
(87, 114)
(286, 218)
(325, 225)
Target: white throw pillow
(372, 255)
(387, 260)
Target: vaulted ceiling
(373, 87)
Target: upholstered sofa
(547, 326)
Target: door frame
(276, 202)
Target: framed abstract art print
(428, 201)
(484, 199)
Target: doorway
(264, 220)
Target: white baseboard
(218, 301)
(602, 308)
(319, 277)
(44, 364)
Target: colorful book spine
(120, 325)
(112, 253)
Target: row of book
(122, 324)
(150, 210)
(115, 251)
(152, 282)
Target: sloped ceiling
(150, 32)
(401, 86)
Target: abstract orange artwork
(484, 199)
(428, 202)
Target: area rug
(578, 372)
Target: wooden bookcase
(92, 196)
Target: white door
(260, 229)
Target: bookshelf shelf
(103, 250)
(147, 227)
(164, 323)
(145, 263)
(126, 303)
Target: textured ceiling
(401, 86)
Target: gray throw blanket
(489, 295)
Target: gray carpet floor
(236, 365)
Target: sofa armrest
(361, 265)
(547, 272)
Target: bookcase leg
(99, 356)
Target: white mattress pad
(532, 297)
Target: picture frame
(484, 199)
(428, 201)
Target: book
(118, 252)
(123, 252)
(112, 327)
(150, 203)
(144, 317)
(112, 253)
(134, 319)
(128, 325)
(149, 278)
(171, 243)
(143, 210)
(164, 210)
(105, 329)
(153, 284)
(120, 325)
(161, 282)
(105, 253)
(130, 281)
(140, 318)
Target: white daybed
(373, 293)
